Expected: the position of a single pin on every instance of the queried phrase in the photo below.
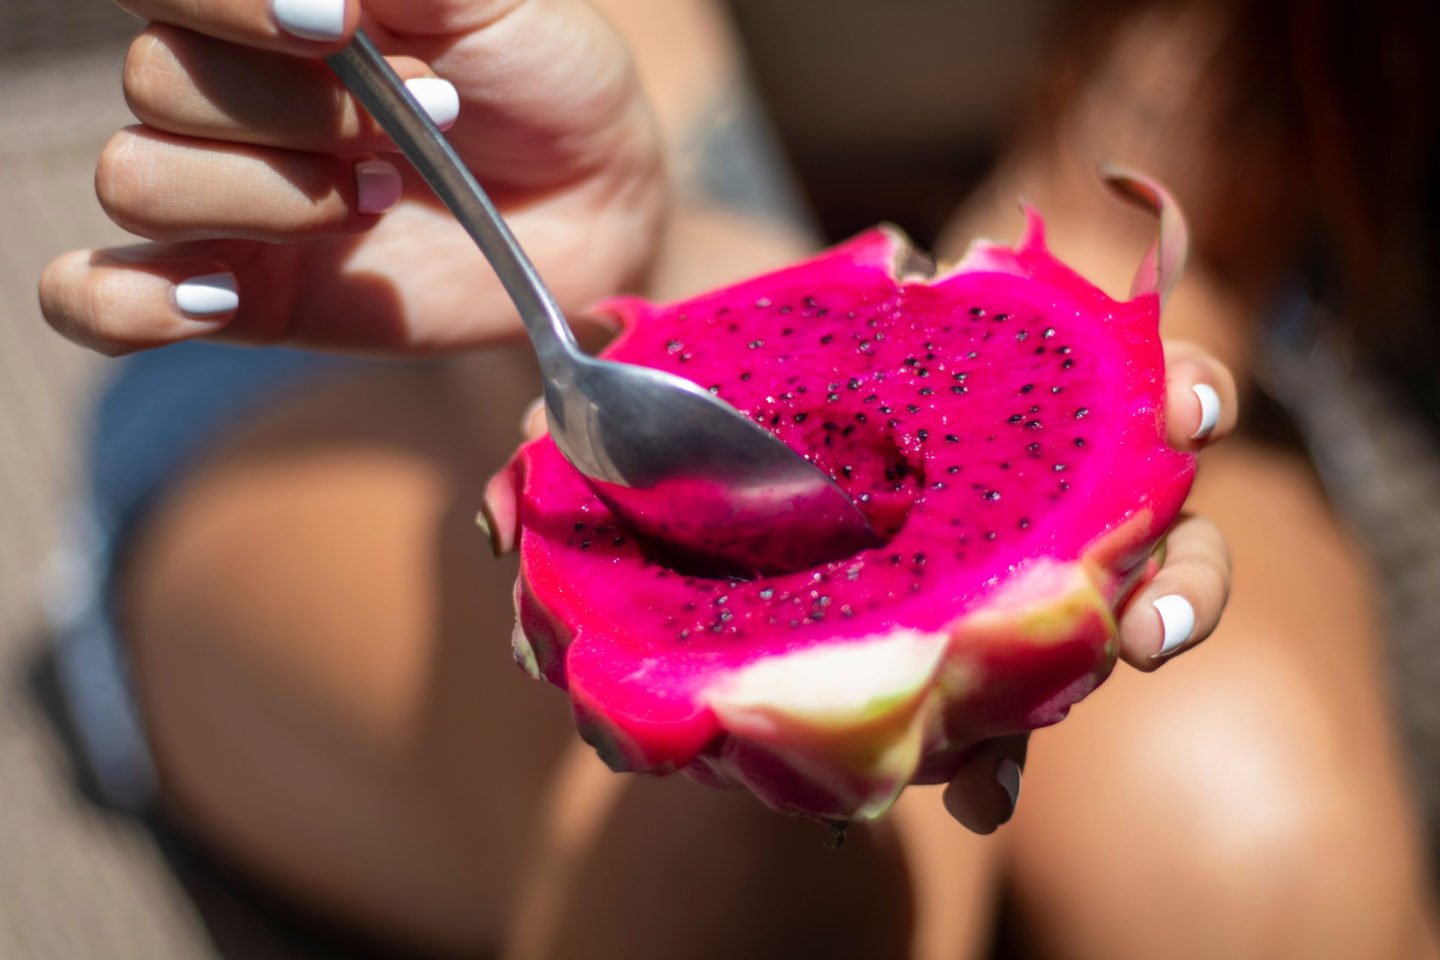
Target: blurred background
(77, 881)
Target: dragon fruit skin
(1014, 408)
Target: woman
(313, 629)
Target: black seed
(786, 309)
(990, 534)
(684, 634)
(800, 417)
(938, 485)
(1081, 413)
(1057, 389)
(885, 409)
(992, 495)
(1035, 409)
(951, 438)
(1024, 523)
(977, 312)
(786, 331)
(1058, 468)
(1016, 418)
(954, 469)
(579, 526)
(832, 397)
(826, 339)
(1064, 485)
(926, 391)
(854, 383)
(1001, 317)
(959, 377)
(1079, 441)
(892, 423)
(913, 408)
(911, 361)
(860, 417)
(1067, 365)
(745, 376)
(922, 373)
(1033, 425)
(1027, 388)
(1038, 350)
(971, 355)
(869, 399)
(1033, 449)
(923, 434)
(1005, 465)
(756, 344)
(673, 346)
(1049, 332)
(767, 593)
(1022, 336)
(1063, 351)
(958, 390)
(715, 388)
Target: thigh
(1250, 799)
(320, 640)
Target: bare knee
(1228, 815)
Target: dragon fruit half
(1001, 423)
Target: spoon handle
(371, 80)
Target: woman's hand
(1175, 610)
(280, 212)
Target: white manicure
(1177, 618)
(211, 295)
(436, 97)
(377, 186)
(310, 19)
(1209, 409)
(1007, 774)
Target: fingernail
(438, 98)
(210, 295)
(377, 185)
(310, 19)
(1007, 774)
(1209, 410)
(1177, 619)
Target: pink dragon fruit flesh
(1002, 425)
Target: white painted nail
(1209, 410)
(310, 19)
(211, 295)
(1007, 774)
(377, 186)
(438, 98)
(1177, 618)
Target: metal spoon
(679, 466)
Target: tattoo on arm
(732, 157)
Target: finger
(172, 188)
(192, 85)
(1201, 400)
(311, 28)
(983, 795)
(1181, 605)
(532, 420)
(123, 300)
